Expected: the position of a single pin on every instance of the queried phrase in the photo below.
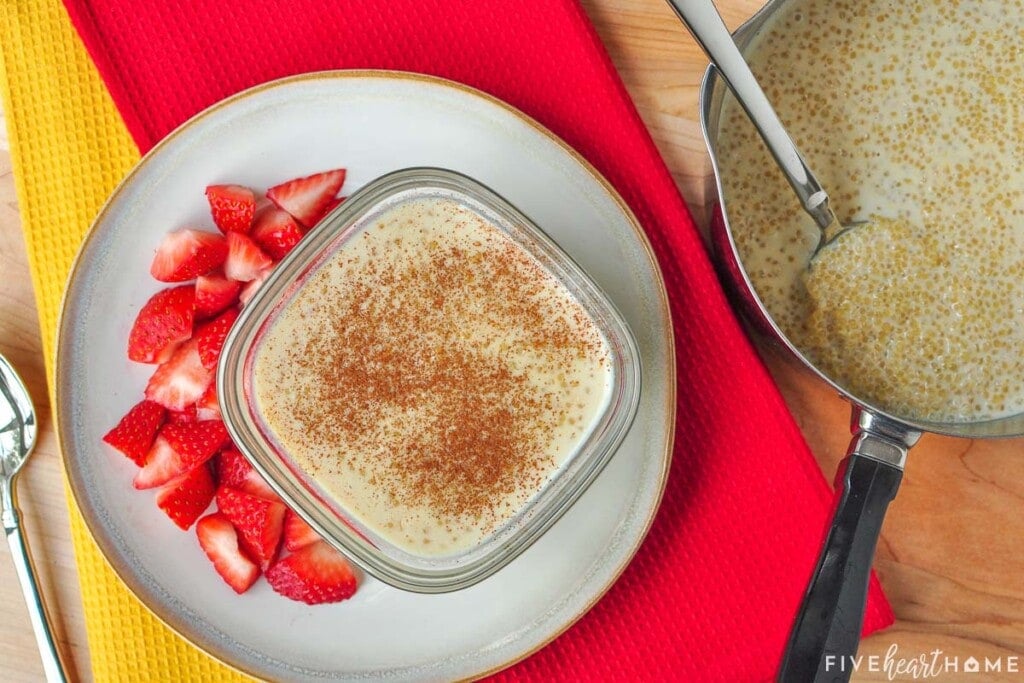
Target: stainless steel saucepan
(829, 622)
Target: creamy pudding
(911, 114)
(431, 376)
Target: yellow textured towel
(70, 150)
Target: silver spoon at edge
(20, 426)
(706, 25)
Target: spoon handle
(707, 27)
(52, 664)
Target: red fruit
(276, 232)
(162, 324)
(308, 199)
(234, 470)
(335, 203)
(297, 534)
(208, 408)
(245, 260)
(162, 465)
(214, 293)
(232, 207)
(210, 337)
(185, 498)
(186, 254)
(181, 380)
(186, 415)
(179, 449)
(196, 442)
(219, 541)
(135, 433)
(259, 522)
(315, 574)
(249, 291)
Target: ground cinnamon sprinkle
(432, 376)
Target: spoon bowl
(710, 32)
(17, 424)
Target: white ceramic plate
(371, 123)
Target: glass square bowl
(258, 422)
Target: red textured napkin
(714, 588)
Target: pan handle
(827, 629)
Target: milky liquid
(910, 112)
(432, 377)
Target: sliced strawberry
(179, 449)
(214, 293)
(219, 541)
(164, 322)
(186, 254)
(210, 337)
(276, 232)
(297, 534)
(259, 522)
(256, 485)
(196, 442)
(245, 260)
(249, 290)
(208, 407)
(135, 433)
(232, 207)
(162, 465)
(181, 380)
(232, 468)
(334, 203)
(183, 416)
(185, 498)
(314, 574)
(308, 199)
(235, 471)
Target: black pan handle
(827, 629)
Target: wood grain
(951, 555)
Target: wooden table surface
(951, 556)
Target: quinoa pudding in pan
(912, 115)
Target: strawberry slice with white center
(182, 380)
(308, 199)
(185, 498)
(179, 449)
(186, 254)
(135, 433)
(214, 293)
(245, 260)
(276, 232)
(208, 407)
(163, 322)
(232, 207)
(186, 414)
(219, 541)
(210, 337)
(162, 465)
(297, 534)
(314, 574)
(259, 522)
(250, 288)
(234, 471)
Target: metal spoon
(707, 27)
(17, 437)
